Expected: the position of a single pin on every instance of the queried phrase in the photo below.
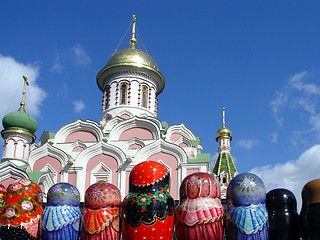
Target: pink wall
(192, 170)
(125, 116)
(83, 136)
(137, 132)
(53, 162)
(175, 136)
(107, 160)
(72, 178)
(135, 146)
(8, 181)
(78, 149)
(183, 145)
(172, 163)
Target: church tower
(18, 133)
(130, 82)
(224, 167)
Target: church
(84, 151)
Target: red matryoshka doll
(3, 194)
(21, 213)
(101, 217)
(148, 209)
(310, 211)
(200, 213)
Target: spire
(223, 117)
(22, 104)
(133, 40)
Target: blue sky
(259, 59)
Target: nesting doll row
(148, 211)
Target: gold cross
(22, 104)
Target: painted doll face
(200, 185)
(102, 194)
(61, 194)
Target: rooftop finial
(22, 104)
(223, 117)
(133, 40)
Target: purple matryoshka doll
(246, 216)
(20, 216)
(310, 211)
(200, 213)
(101, 217)
(61, 217)
(148, 209)
(283, 217)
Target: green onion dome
(19, 120)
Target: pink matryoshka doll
(200, 213)
(3, 194)
(101, 217)
(21, 213)
(148, 209)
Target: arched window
(123, 93)
(107, 97)
(144, 96)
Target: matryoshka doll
(246, 216)
(200, 213)
(310, 211)
(21, 213)
(61, 217)
(148, 209)
(283, 217)
(101, 217)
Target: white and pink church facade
(84, 151)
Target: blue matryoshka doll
(246, 217)
(61, 217)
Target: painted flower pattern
(15, 187)
(25, 182)
(10, 212)
(27, 205)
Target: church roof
(224, 162)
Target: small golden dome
(224, 132)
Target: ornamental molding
(97, 149)
(135, 122)
(79, 125)
(180, 129)
(133, 141)
(161, 146)
(48, 150)
(9, 170)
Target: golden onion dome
(131, 58)
(224, 132)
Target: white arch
(180, 129)
(79, 125)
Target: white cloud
(79, 106)
(11, 86)
(57, 66)
(247, 143)
(274, 137)
(292, 175)
(80, 56)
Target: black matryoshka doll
(282, 213)
(148, 209)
